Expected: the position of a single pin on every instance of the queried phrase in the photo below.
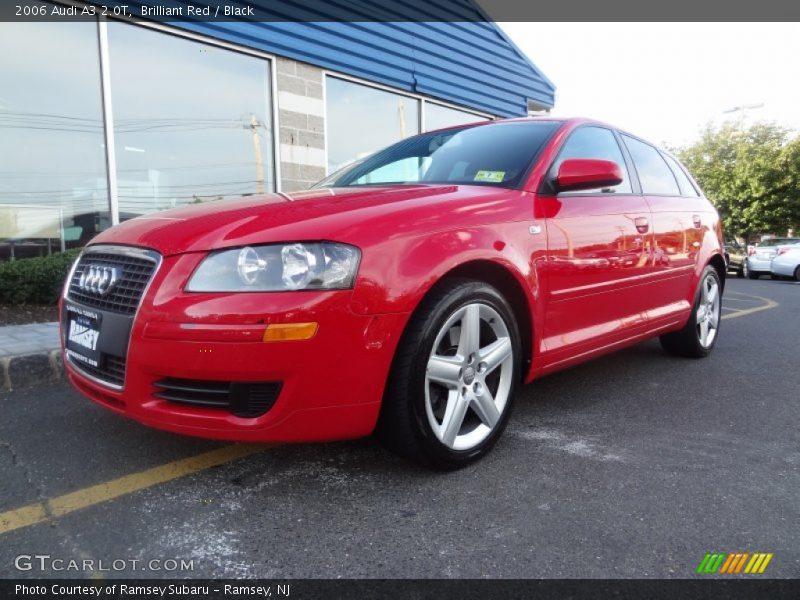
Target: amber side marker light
(283, 332)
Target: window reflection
(191, 121)
(438, 117)
(53, 185)
(362, 120)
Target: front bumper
(330, 385)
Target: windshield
(498, 154)
(779, 242)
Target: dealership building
(106, 119)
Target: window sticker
(490, 176)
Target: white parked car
(759, 258)
(787, 263)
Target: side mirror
(586, 174)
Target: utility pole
(254, 125)
(401, 114)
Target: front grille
(242, 399)
(124, 297)
(110, 369)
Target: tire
(438, 378)
(753, 274)
(740, 271)
(699, 336)
(797, 273)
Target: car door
(598, 253)
(679, 223)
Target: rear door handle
(642, 224)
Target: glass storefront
(438, 116)
(53, 183)
(363, 119)
(192, 122)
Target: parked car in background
(787, 263)
(411, 293)
(759, 258)
(735, 256)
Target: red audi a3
(408, 294)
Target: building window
(53, 183)
(363, 119)
(438, 116)
(192, 122)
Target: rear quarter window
(686, 185)
(655, 175)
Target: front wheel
(699, 335)
(454, 377)
(797, 273)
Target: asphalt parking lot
(633, 465)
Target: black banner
(406, 589)
(402, 10)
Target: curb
(28, 370)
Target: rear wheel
(699, 335)
(741, 270)
(454, 377)
(797, 273)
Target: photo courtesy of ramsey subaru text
(408, 294)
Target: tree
(751, 174)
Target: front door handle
(642, 224)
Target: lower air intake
(242, 399)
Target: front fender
(395, 275)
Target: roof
(469, 62)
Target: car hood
(312, 215)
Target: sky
(666, 81)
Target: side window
(654, 174)
(687, 189)
(599, 143)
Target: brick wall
(301, 117)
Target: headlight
(277, 267)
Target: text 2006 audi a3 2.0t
(410, 293)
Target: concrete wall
(301, 120)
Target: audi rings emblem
(99, 279)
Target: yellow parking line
(103, 492)
(741, 312)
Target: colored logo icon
(734, 562)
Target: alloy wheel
(469, 376)
(708, 311)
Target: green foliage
(751, 174)
(35, 280)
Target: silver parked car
(759, 258)
(787, 264)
